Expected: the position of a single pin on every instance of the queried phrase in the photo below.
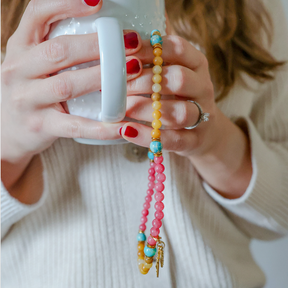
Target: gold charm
(160, 255)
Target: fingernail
(120, 130)
(131, 40)
(92, 2)
(132, 66)
(130, 132)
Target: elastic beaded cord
(146, 253)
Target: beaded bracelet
(146, 253)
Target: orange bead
(141, 245)
(157, 60)
(156, 105)
(156, 96)
(157, 78)
(143, 270)
(141, 254)
(157, 52)
(148, 259)
(156, 114)
(155, 133)
(156, 124)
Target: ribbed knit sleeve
(12, 210)
(262, 211)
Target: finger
(39, 14)
(71, 84)
(70, 126)
(175, 50)
(65, 51)
(176, 80)
(172, 140)
(175, 114)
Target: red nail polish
(132, 66)
(120, 130)
(131, 40)
(92, 2)
(130, 132)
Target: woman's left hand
(218, 149)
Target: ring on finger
(202, 116)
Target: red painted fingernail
(132, 66)
(130, 132)
(120, 130)
(131, 40)
(92, 2)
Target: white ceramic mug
(109, 105)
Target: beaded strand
(146, 253)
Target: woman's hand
(218, 149)
(32, 113)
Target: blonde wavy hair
(230, 32)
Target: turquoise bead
(141, 237)
(155, 30)
(149, 252)
(156, 39)
(150, 155)
(156, 146)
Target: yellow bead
(157, 69)
(157, 52)
(156, 105)
(141, 245)
(156, 114)
(157, 78)
(148, 266)
(156, 96)
(157, 60)
(141, 254)
(156, 124)
(156, 87)
(143, 270)
(155, 133)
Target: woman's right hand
(32, 114)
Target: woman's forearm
(23, 180)
(227, 166)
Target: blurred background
(273, 256)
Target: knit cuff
(13, 210)
(261, 204)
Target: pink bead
(159, 168)
(154, 232)
(150, 192)
(142, 227)
(159, 206)
(151, 171)
(151, 178)
(148, 198)
(159, 187)
(158, 160)
(145, 212)
(152, 164)
(159, 196)
(143, 220)
(151, 185)
(146, 205)
(151, 241)
(156, 223)
(159, 215)
(160, 177)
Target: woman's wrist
(23, 179)
(227, 165)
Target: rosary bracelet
(154, 244)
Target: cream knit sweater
(82, 233)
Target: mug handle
(113, 69)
